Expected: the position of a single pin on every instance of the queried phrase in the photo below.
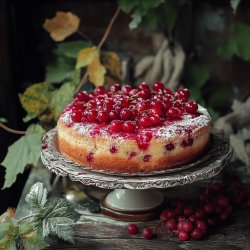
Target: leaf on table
(62, 25)
(70, 49)
(86, 56)
(26, 150)
(37, 196)
(36, 97)
(56, 220)
(61, 98)
(96, 71)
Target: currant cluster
(126, 109)
(193, 220)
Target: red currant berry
(145, 94)
(188, 226)
(209, 207)
(100, 90)
(128, 127)
(196, 234)
(133, 229)
(164, 214)
(113, 114)
(103, 116)
(92, 115)
(192, 218)
(83, 96)
(183, 94)
(156, 111)
(142, 106)
(200, 213)
(158, 86)
(191, 107)
(145, 122)
(188, 211)
(183, 235)
(180, 225)
(133, 92)
(156, 104)
(167, 91)
(126, 89)
(143, 86)
(147, 233)
(202, 225)
(172, 113)
(115, 88)
(116, 126)
(171, 224)
(155, 120)
(223, 201)
(76, 116)
(182, 217)
(126, 114)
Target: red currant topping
(142, 106)
(113, 149)
(147, 158)
(182, 94)
(145, 122)
(126, 114)
(191, 107)
(116, 126)
(167, 104)
(126, 89)
(147, 233)
(145, 94)
(156, 104)
(156, 111)
(172, 113)
(76, 116)
(115, 87)
(183, 235)
(188, 211)
(132, 154)
(128, 127)
(83, 96)
(167, 91)
(155, 120)
(113, 114)
(133, 229)
(158, 86)
(92, 115)
(170, 146)
(100, 90)
(143, 86)
(103, 116)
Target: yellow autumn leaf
(85, 57)
(62, 25)
(96, 71)
(112, 63)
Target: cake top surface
(124, 112)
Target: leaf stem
(84, 36)
(103, 40)
(13, 131)
(27, 217)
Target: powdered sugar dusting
(185, 125)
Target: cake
(130, 130)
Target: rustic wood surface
(96, 231)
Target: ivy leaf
(62, 25)
(59, 70)
(85, 57)
(55, 220)
(37, 196)
(234, 5)
(198, 74)
(70, 49)
(35, 98)
(25, 150)
(61, 98)
(3, 120)
(96, 71)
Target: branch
(13, 131)
(103, 40)
(84, 36)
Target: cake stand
(136, 197)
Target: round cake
(133, 130)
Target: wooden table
(96, 231)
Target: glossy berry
(113, 114)
(156, 104)
(126, 89)
(155, 120)
(200, 213)
(202, 225)
(209, 207)
(196, 234)
(92, 115)
(183, 235)
(116, 126)
(158, 86)
(115, 87)
(103, 116)
(128, 127)
(191, 107)
(83, 96)
(223, 201)
(188, 226)
(156, 111)
(133, 229)
(145, 122)
(143, 86)
(142, 106)
(171, 224)
(164, 214)
(126, 114)
(76, 116)
(183, 94)
(188, 211)
(145, 94)
(167, 104)
(172, 113)
(100, 90)
(147, 233)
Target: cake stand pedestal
(136, 197)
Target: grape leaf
(3, 120)
(35, 98)
(62, 25)
(96, 71)
(234, 5)
(85, 57)
(26, 150)
(70, 49)
(37, 196)
(61, 98)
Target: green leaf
(3, 120)
(59, 70)
(234, 5)
(61, 98)
(196, 95)
(169, 14)
(55, 220)
(35, 129)
(8, 244)
(4, 229)
(35, 242)
(136, 20)
(70, 49)
(228, 48)
(222, 97)
(37, 196)
(25, 150)
(29, 117)
(86, 56)
(25, 228)
(198, 74)
(127, 6)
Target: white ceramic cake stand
(135, 196)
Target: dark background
(25, 49)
